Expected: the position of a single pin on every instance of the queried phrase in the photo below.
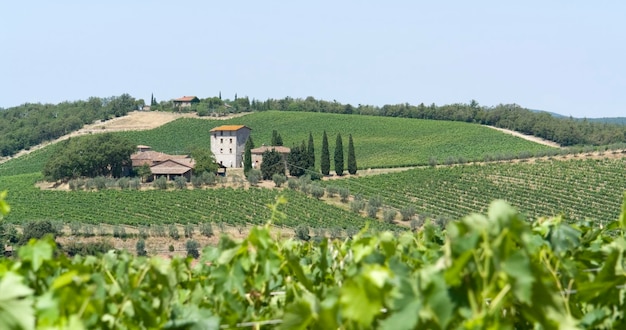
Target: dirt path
(133, 121)
(527, 137)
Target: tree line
(565, 131)
(301, 158)
(30, 124)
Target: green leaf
(518, 267)
(37, 251)
(298, 315)
(359, 302)
(406, 318)
(16, 303)
(4, 207)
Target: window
(221, 140)
(221, 151)
(221, 133)
(230, 150)
(231, 140)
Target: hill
(576, 189)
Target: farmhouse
(228, 143)
(185, 101)
(161, 164)
(257, 154)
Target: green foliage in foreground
(496, 271)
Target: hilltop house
(161, 164)
(228, 144)
(185, 101)
(257, 155)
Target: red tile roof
(279, 149)
(229, 128)
(185, 99)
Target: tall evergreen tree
(297, 160)
(277, 140)
(310, 150)
(339, 155)
(152, 102)
(351, 156)
(247, 156)
(325, 159)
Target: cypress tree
(325, 160)
(339, 155)
(311, 152)
(351, 156)
(247, 156)
(274, 138)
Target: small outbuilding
(185, 101)
(257, 155)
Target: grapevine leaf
(359, 302)
(405, 318)
(4, 207)
(518, 267)
(16, 303)
(36, 252)
(298, 315)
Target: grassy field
(577, 189)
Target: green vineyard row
(494, 271)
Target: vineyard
(379, 142)
(576, 189)
(485, 272)
(235, 207)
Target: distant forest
(30, 124)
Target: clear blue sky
(562, 56)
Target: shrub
(372, 211)
(73, 248)
(209, 178)
(8, 235)
(197, 181)
(450, 160)
(415, 224)
(123, 183)
(173, 232)
(357, 205)
(351, 231)
(134, 184)
(254, 176)
(206, 229)
(188, 230)
(407, 213)
(317, 191)
(331, 190)
(314, 175)
(37, 230)
(344, 193)
(100, 182)
(90, 184)
(170, 248)
(143, 232)
(119, 231)
(75, 228)
(293, 184)
(141, 248)
(302, 232)
(158, 231)
(110, 183)
(88, 230)
(192, 249)
(376, 201)
(432, 161)
(180, 182)
(72, 185)
(279, 179)
(389, 215)
(160, 183)
(335, 232)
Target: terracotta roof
(169, 167)
(229, 128)
(151, 157)
(280, 149)
(185, 99)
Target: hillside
(576, 189)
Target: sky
(567, 57)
